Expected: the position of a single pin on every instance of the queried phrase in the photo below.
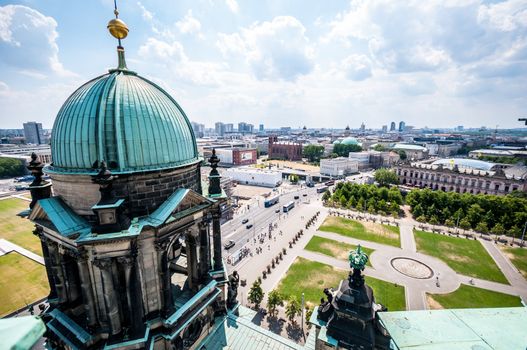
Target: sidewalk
(7, 247)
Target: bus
(329, 183)
(288, 206)
(271, 201)
(322, 189)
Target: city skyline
(435, 65)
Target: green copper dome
(125, 120)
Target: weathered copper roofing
(125, 120)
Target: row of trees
(369, 198)
(343, 150)
(313, 152)
(274, 299)
(10, 167)
(483, 213)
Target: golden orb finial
(118, 29)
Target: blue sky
(282, 63)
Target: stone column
(71, 277)
(110, 296)
(47, 262)
(204, 249)
(216, 233)
(58, 274)
(127, 262)
(164, 276)
(192, 261)
(86, 290)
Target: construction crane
(523, 120)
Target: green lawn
(16, 229)
(471, 297)
(465, 256)
(368, 231)
(336, 249)
(518, 257)
(311, 277)
(22, 281)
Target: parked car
(244, 221)
(249, 226)
(305, 195)
(229, 244)
(277, 211)
(296, 197)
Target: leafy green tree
(343, 201)
(343, 150)
(326, 196)
(464, 224)
(481, 227)
(256, 294)
(449, 223)
(10, 167)
(433, 220)
(402, 154)
(293, 178)
(309, 312)
(313, 152)
(379, 148)
(498, 230)
(386, 177)
(292, 309)
(274, 299)
(421, 218)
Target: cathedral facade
(130, 236)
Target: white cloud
(28, 40)
(147, 15)
(505, 16)
(278, 49)
(189, 24)
(233, 5)
(356, 67)
(155, 49)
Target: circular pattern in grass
(412, 268)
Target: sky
(434, 63)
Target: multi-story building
(402, 126)
(413, 152)
(338, 167)
(284, 149)
(219, 128)
(237, 156)
(463, 176)
(384, 129)
(245, 128)
(261, 128)
(362, 159)
(229, 128)
(199, 129)
(33, 133)
(392, 126)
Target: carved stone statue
(232, 292)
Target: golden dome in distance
(118, 29)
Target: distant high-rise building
(261, 128)
(229, 127)
(392, 126)
(402, 126)
(33, 133)
(198, 129)
(245, 128)
(362, 127)
(385, 128)
(219, 128)
(460, 128)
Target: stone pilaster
(110, 295)
(47, 262)
(204, 248)
(86, 290)
(216, 237)
(192, 261)
(57, 272)
(164, 277)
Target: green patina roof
(457, 329)
(125, 120)
(20, 333)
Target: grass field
(311, 277)
(471, 297)
(518, 257)
(16, 229)
(339, 250)
(465, 256)
(22, 281)
(368, 231)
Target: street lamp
(303, 334)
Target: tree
(274, 299)
(10, 167)
(433, 220)
(482, 228)
(402, 154)
(464, 224)
(498, 230)
(292, 309)
(386, 177)
(309, 312)
(313, 152)
(326, 196)
(344, 150)
(379, 148)
(256, 293)
(449, 222)
(421, 218)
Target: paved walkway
(7, 247)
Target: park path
(7, 247)
(512, 274)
